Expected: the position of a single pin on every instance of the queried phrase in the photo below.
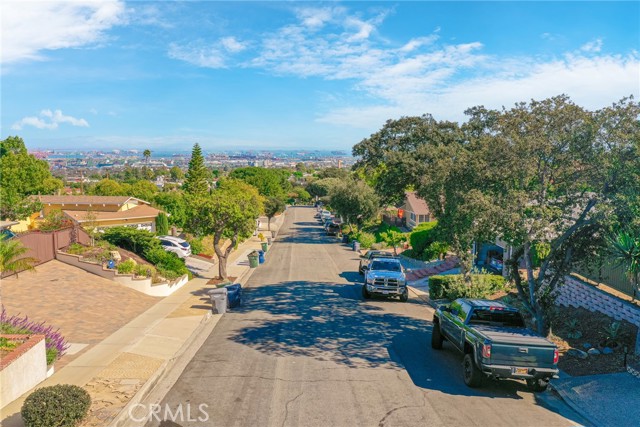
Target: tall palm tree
(147, 154)
(11, 260)
(625, 249)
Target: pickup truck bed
(493, 350)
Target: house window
(413, 216)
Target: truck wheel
(470, 372)
(538, 385)
(436, 337)
(365, 293)
(404, 297)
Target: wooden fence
(611, 275)
(44, 245)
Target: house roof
(7, 224)
(142, 211)
(415, 204)
(88, 200)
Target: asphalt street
(305, 349)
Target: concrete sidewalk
(127, 364)
(607, 400)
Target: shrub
(453, 286)
(365, 239)
(164, 260)
(197, 247)
(162, 224)
(138, 241)
(76, 249)
(55, 343)
(59, 405)
(423, 235)
(126, 267)
(435, 250)
(145, 270)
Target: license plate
(524, 371)
(385, 292)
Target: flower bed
(55, 343)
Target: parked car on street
(366, 259)
(495, 343)
(333, 229)
(178, 246)
(385, 277)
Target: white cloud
(594, 46)
(202, 56)
(49, 120)
(207, 55)
(232, 44)
(30, 27)
(590, 82)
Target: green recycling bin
(253, 259)
(265, 245)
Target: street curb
(208, 323)
(422, 297)
(570, 403)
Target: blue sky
(274, 75)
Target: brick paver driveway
(87, 308)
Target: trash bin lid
(218, 291)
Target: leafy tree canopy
(228, 213)
(354, 201)
(21, 176)
(269, 182)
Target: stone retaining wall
(576, 293)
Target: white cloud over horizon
(48, 119)
(424, 75)
(54, 25)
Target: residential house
(103, 211)
(414, 210)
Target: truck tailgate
(518, 347)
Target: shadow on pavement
(333, 323)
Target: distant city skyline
(294, 75)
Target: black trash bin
(234, 295)
(219, 300)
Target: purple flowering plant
(55, 343)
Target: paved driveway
(87, 308)
(306, 350)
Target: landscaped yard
(87, 308)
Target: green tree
(272, 207)
(174, 203)
(147, 155)
(228, 213)
(625, 251)
(322, 187)
(176, 173)
(162, 224)
(393, 238)
(55, 220)
(333, 172)
(354, 201)
(11, 256)
(21, 176)
(198, 176)
(143, 189)
(108, 187)
(269, 182)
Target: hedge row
(144, 243)
(453, 286)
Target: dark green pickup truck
(495, 343)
